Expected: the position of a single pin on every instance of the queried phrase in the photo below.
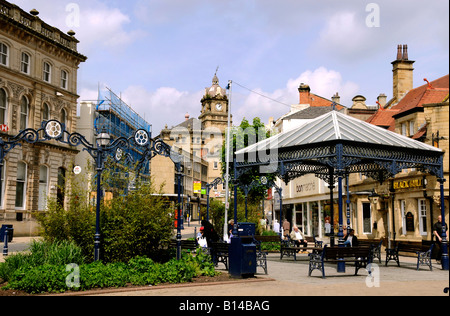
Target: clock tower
(214, 112)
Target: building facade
(407, 206)
(200, 142)
(38, 82)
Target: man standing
(437, 232)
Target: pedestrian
(351, 240)
(298, 238)
(209, 233)
(201, 240)
(438, 228)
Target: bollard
(5, 247)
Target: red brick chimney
(305, 91)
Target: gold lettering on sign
(406, 184)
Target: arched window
(21, 185)
(64, 117)
(24, 108)
(3, 107)
(45, 112)
(43, 187)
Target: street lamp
(54, 130)
(158, 147)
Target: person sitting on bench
(351, 240)
(297, 237)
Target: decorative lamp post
(54, 130)
(158, 147)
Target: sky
(160, 55)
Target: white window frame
(23, 123)
(404, 129)
(47, 72)
(4, 108)
(4, 54)
(411, 128)
(403, 212)
(25, 63)
(43, 188)
(422, 210)
(24, 183)
(64, 79)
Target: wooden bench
(186, 245)
(288, 247)
(421, 250)
(374, 245)
(219, 253)
(361, 256)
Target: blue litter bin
(242, 256)
(10, 233)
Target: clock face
(219, 107)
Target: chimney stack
(382, 100)
(405, 52)
(305, 91)
(399, 52)
(403, 73)
(336, 98)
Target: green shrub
(135, 225)
(34, 275)
(42, 253)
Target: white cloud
(97, 25)
(323, 82)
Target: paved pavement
(290, 278)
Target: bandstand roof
(336, 142)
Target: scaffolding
(119, 120)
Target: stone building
(408, 205)
(38, 82)
(200, 142)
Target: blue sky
(161, 54)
